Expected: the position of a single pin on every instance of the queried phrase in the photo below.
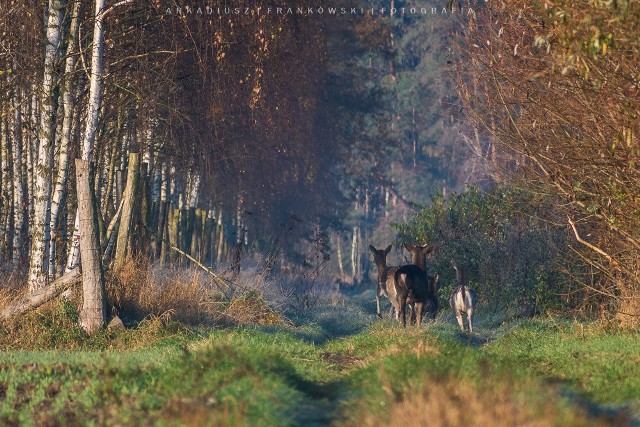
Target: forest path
(347, 333)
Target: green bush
(509, 255)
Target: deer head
(419, 254)
(380, 256)
(459, 272)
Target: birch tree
(40, 233)
(68, 103)
(95, 102)
(18, 187)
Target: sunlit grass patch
(449, 401)
(601, 364)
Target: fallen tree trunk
(39, 297)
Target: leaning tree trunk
(127, 210)
(40, 232)
(93, 314)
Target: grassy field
(333, 365)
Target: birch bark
(18, 187)
(95, 101)
(40, 233)
(68, 105)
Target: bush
(510, 256)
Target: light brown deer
(386, 286)
(463, 299)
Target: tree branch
(110, 9)
(589, 245)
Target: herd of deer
(411, 285)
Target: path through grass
(337, 365)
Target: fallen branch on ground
(217, 279)
(39, 297)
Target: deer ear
(428, 249)
(388, 249)
(372, 249)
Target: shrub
(510, 256)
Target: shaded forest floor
(334, 364)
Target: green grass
(338, 365)
(603, 366)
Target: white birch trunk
(156, 183)
(220, 237)
(354, 254)
(6, 202)
(18, 188)
(68, 105)
(95, 101)
(40, 234)
(339, 256)
(31, 150)
(108, 202)
(193, 190)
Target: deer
(385, 286)
(416, 288)
(419, 254)
(420, 289)
(463, 299)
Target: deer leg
(419, 308)
(459, 317)
(403, 307)
(412, 307)
(378, 306)
(412, 310)
(470, 319)
(394, 309)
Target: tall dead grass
(187, 295)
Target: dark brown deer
(419, 259)
(386, 286)
(463, 299)
(416, 288)
(419, 254)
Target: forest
(194, 196)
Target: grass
(334, 364)
(602, 365)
